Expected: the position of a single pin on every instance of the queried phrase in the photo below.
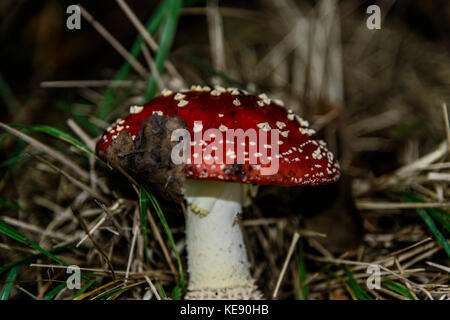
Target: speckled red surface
(303, 160)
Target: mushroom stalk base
(217, 259)
(239, 293)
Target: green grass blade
(29, 259)
(176, 293)
(16, 154)
(6, 202)
(13, 234)
(397, 288)
(114, 293)
(110, 293)
(3, 137)
(57, 133)
(87, 125)
(162, 293)
(82, 290)
(143, 205)
(166, 228)
(423, 213)
(432, 226)
(406, 130)
(165, 43)
(19, 262)
(52, 293)
(302, 290)
(90, 293)
(443, 213)
(106, 108)
(14, 160)
(80, 118)
(9, 283)
(441, 218)
(356, 291)
(440, 215)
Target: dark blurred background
(36, 45)
(391, 114)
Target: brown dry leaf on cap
(148, 156)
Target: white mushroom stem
(217, 259)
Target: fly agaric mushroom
(217, 259)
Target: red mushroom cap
(302, 159)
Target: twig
(411, 246)
(77, 183)
(148, 38)
(94, 228)
(51, 152)
(27, 292)
(160, 240)
(152, 66)
(137, 66)
(286, 262)
(152, 287)
(100, 251)
(91, 83)
(96, 270)
(216, 38)
(33, 228)
(111, 217)
(444, 268)
(371, 205)
(133, 244)
(447, 128)
(88, 141)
